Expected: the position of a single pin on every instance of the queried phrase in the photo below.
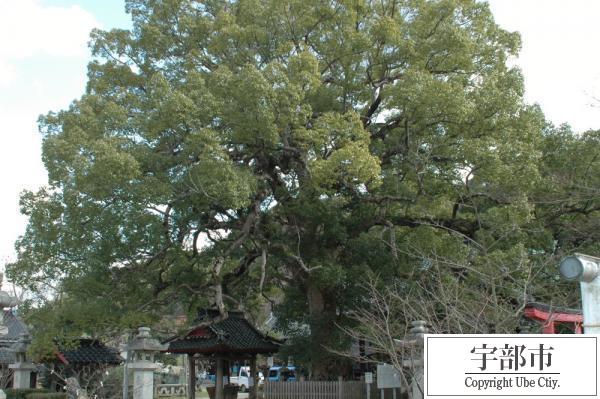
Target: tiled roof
(15, 325)
(7, 356)
(232, 335)
(90, 351)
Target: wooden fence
(314, 390)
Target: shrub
(46, 395)
(12, 393)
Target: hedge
(48, 395)
(12, 393)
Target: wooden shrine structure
(85, 357)
(222, 341)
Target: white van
(242, 378)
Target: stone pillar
(219, 380)
(143, 366)
(22, 368)
(22, 375)
(143, 380)
(253, 380)
(419, 328)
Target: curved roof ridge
(233, 334)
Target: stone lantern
(6, 301)
(144, 349)
(418, 331)
(22, 368)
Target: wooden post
(191, 393)
(219, 394)
(253, 381)
(340, 385)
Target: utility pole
(585, 269)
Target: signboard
(531, 365)
(387, 376)
(368, 378)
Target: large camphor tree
(243, 152)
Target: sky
(43, 58)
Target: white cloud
(20, 161)
(28, 28)
(43, 53)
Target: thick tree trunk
(316, 301)
(321, 309)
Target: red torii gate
(549, 316)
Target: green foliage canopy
(238, 152)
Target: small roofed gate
(314, 390)
(222, 340)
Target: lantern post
(22, 368)
(585, 269)
(144, 349)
